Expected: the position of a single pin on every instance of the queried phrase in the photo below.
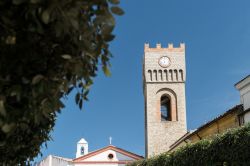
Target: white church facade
(108, 156)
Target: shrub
(230, 148)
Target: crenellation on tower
(159, 47)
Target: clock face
(164, 61)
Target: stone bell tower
(164, 75)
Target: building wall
(46, 161)
(247, 117)
(161, 134)
(245, 96)
(219, 126)
(105, 164)
(104, 157)
(54, 161)
(244, 88)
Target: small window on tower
(165, 108)
(82, 150)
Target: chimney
(244, 88)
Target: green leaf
(75, 23)
(117, 10)
(70, 89)
(80, 104)
(35, 1)
(77, 98)
(115, 2)
(7, 127)
(2, 108)
(66, 56)
(18, 2)
(106, 71)
(61, 104)
(85, 94)
(107, 29)
(11, 40)
(108, 37)
(46, 17)
(37, 79)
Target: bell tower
(82, 148)
(164, 75)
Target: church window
(82, 150)
(171, 75)
(181, 72)
(165, 108)
(166, 75)
(160, 73)
(155, 73)
(110, 156)
(176, 75)
(150, 74)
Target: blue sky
(217, 38)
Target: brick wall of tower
(161, 134)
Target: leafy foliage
(48, 48)
(230, 148)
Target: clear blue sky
(217, 38)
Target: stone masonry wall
(161, 134)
